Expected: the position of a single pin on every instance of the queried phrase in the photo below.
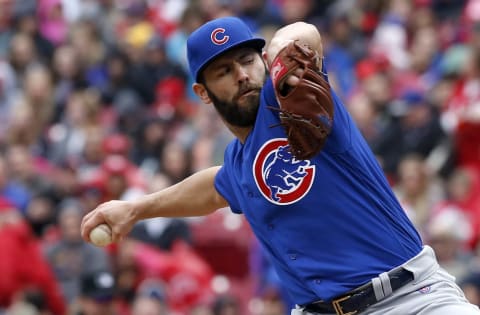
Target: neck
(240, 132)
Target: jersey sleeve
(223, 182)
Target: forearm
(194, 196)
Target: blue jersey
(329, 224)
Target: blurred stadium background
(95, 104)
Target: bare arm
(302, 31)
(194, 196)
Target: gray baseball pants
(433, 291)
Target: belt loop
(377, 288)
(386, 285)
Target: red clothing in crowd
(22, 265)
(462, 103)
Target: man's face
(233, 83)
(90, 306)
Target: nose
(241, 73)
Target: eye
(247, 60)
(223, 71)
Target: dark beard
(232, 112)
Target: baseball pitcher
(304, 178)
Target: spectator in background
(414, 128)
(211, 135)
(211, 9)
(92, 54)
(64, 177)
(471, 286)
(345, 46)
(68, 77)
(120, 178)
(463, 194)
(96, 297)
(69, 256)
(90, 159)
(268, 285)
(258, 14)
(25, 22)
(41, 214)
(370, 105)
(448, 232)
(6, 14)
(117, 77)
(38, 92)
(417, 189)
(424, 58)
(226, 305)
(22, 54)
(31, 301)
(14, 192)
(148, 305)
(154, 68)
(151, 138)
(150, 299)
(390, 36)
(365, 115)
(52, 21)
(201, 309)
(8, 91)
(272, 302)
(175, 45)
(128, 275)
(175, 162)
(27, 169)
(294, 11)
(23, 266)
(129, 111)
(461, 113)
(19, 127)
(68, 137)
(56, 55)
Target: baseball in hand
(101, 235)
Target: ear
(265, 59)
(201, 92)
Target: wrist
(139, 208)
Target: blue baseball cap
(216, 37)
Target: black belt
(357, 300)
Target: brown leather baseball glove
(306, 110)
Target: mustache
(247, 88)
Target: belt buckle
(338, 308)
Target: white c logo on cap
(215, 38)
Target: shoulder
(268, 93)
(231, 151)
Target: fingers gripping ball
(101, 235)
(306, 109)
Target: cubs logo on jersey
(280, 177)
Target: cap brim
(256, 43)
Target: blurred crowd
(96, 104)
